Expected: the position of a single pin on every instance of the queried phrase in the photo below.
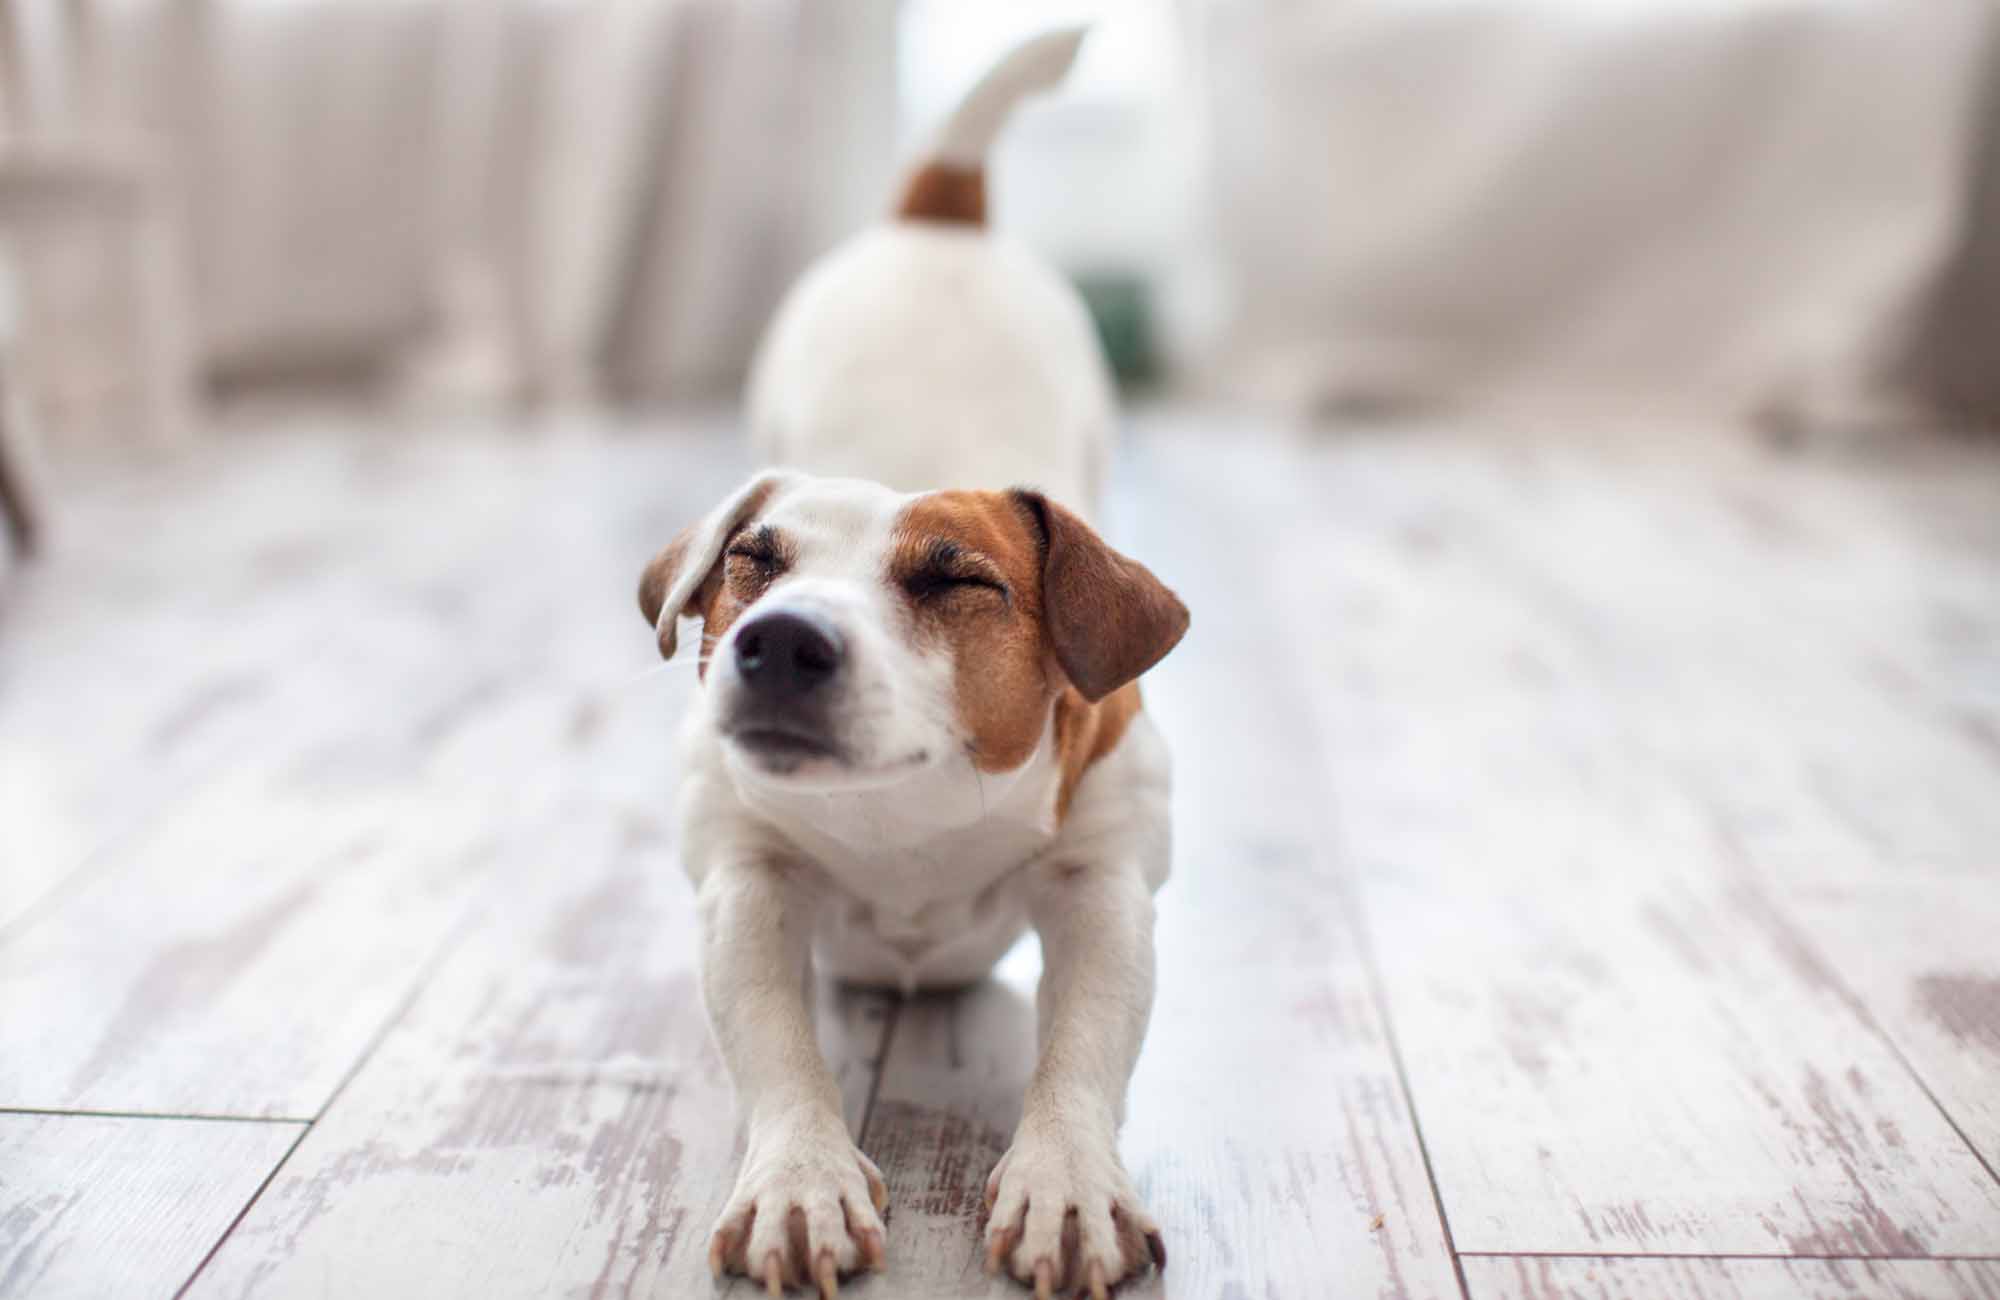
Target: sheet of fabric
(1785, 207)
(606, 194)
(1744, 206)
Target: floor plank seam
(1742, 864)
(1923, 1085)
(1380, 997)
(241, 1214)
(199, 1117)
(446, 947)
(1352, 908)
(895, 1013)
(1747, 869)
(1357, 922)
(454, 936)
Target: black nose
(787, 654)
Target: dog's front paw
(806, 1212)
(1063, 1214)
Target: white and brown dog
(919, 729)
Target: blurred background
(1567, 421)
(1782, 209)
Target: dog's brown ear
(674, 582)
(1109, 618)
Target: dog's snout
(787, 653)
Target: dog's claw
(1045, 1280)
(829, 1230)
(998, 1248)
(874, 1255)
(1095, 1275)
(1157, 1246)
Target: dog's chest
(924, 935)
(917, 888)
(937, 913)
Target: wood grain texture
(1843, 744)
(313, 602)
(1266, 1126)
(92, 1206)
(1923, 961)
(238, 956)
(1820, 648)
(550, 1117)
(189, 606)
(1649, 788)
(1617, 1038)
(1612, 1278)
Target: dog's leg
(1064, 1212)
(806, 1208)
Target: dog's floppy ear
(672, 582)
(1109, 618)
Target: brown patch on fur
(1071, 608)
(707, 601)
(740, 584)
(660, 573)
(997, 640)
(940, 192)
(1109, 618)
(1086, 732)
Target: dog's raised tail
(949, 184)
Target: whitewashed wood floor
(1588, 880)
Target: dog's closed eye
(761, 549)
(756, 559)
(947, 568)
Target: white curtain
(1743, 207)
(1789, 207)
(549, 198)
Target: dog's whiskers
(646, 673)
(979, 777)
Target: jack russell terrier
(919, 729)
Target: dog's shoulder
(1119, 806)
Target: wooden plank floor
(99, 1205)
(1587, 879)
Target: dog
(918, 730)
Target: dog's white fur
(918, 357)
(1013, 385)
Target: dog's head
(854, 637)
